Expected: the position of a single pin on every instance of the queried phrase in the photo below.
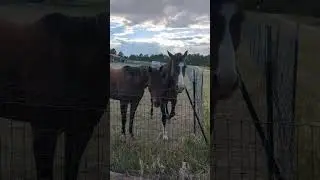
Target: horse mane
(167, 67)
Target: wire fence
(185, 120)
(16, 146)
(258, 135)
(277, 56)
(148, 128)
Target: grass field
(150, 149)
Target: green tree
(192, 59)
(120, 54)
(113, 51)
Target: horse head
(227, 20)
(177, 66)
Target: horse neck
(144, 78)
(171, 80)
(227, 65)
(169, 66)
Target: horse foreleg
(167, 111)
(164, 119)
(133, 108)
(173, 108)
(75, 143)
(151, 110)
(123, 108)
(44, 143)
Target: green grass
(157, 158)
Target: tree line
(192, 59)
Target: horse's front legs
(151, 110)
(44, 144)
(164, 119)
(123, 108)
(166, 108)
(76, 140)
(173, 108)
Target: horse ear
(185, 54)
(170, 55)
(149, 69)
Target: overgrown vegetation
(152, 159)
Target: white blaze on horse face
(180, 84)
(227, 67)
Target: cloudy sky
(154, 26)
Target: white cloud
(169, 24)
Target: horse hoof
(123, 138)
(165, 137)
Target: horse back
(46, 68)
(126, 83)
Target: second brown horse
(127, 85)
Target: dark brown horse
(53, 75)
(127, 85)
(227, 19)
(165, 84)
(178, 87)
